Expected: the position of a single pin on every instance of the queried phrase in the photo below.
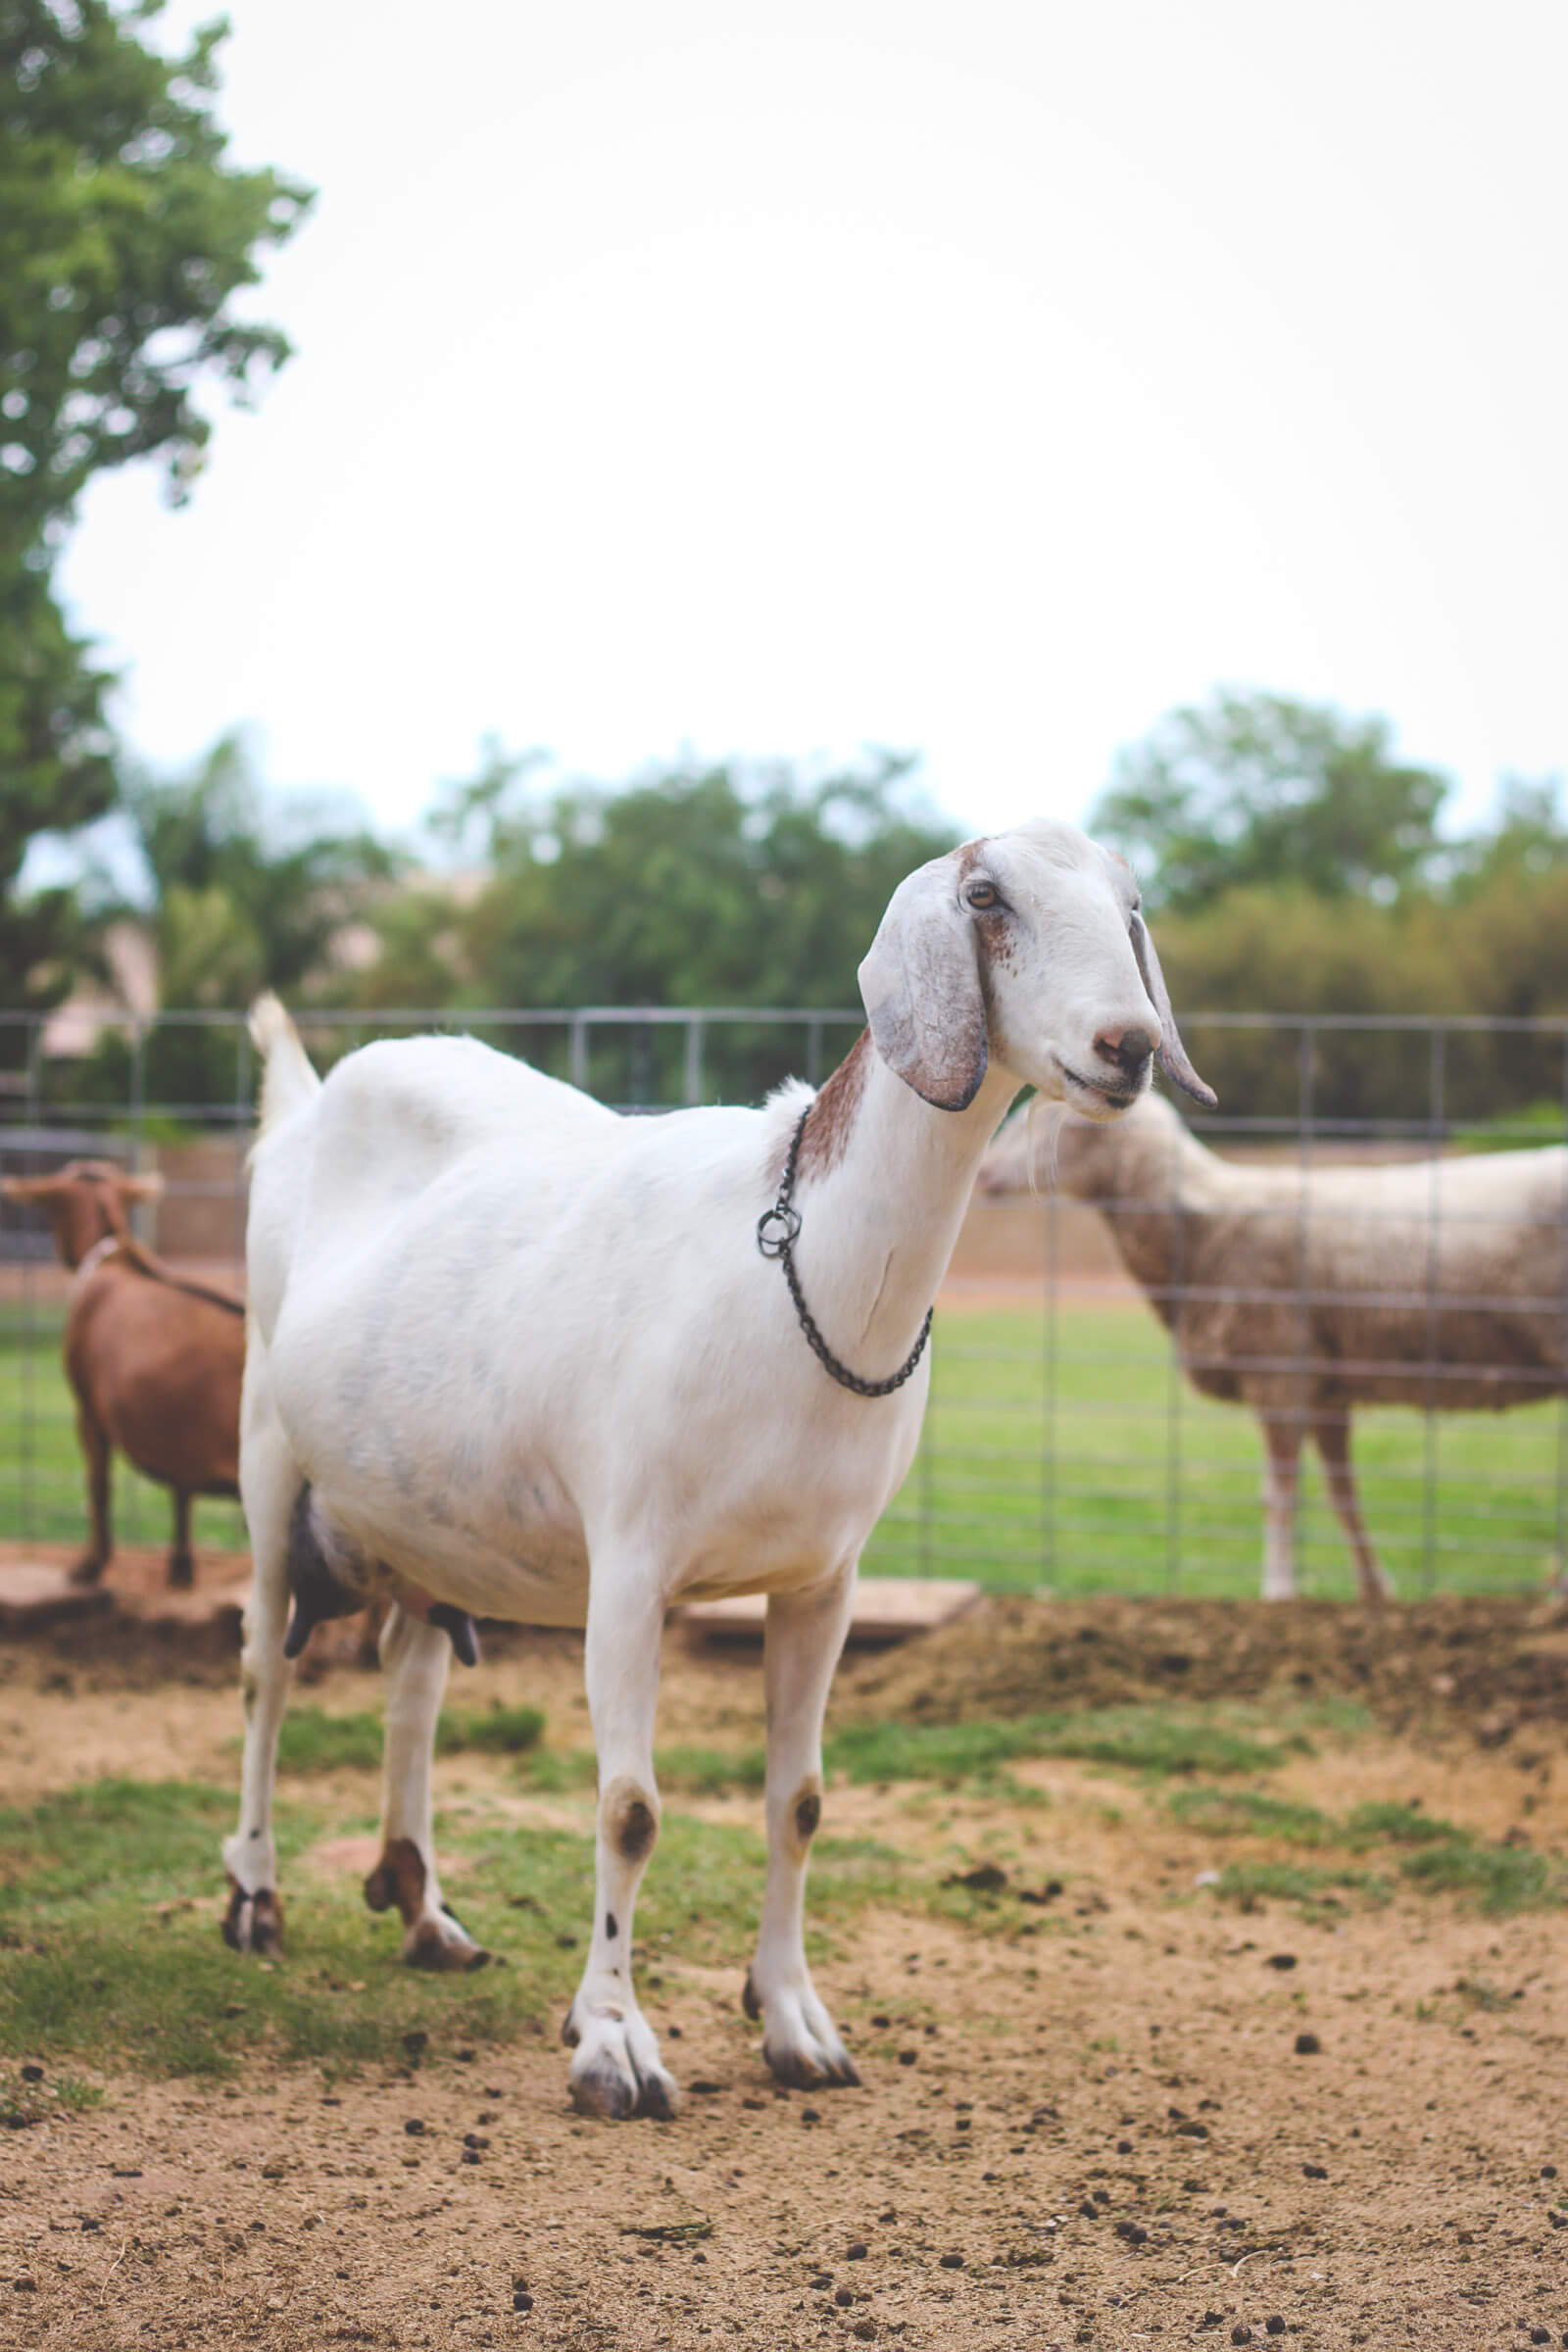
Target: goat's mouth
(1098, 1098)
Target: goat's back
(159, 1368)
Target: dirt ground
(1102, 2126)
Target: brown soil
(1129, 2047)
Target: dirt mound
(1493, 1661)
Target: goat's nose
(1128, 1047)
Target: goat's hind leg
(270, 1481)
(95, 1452)
(615, 2067)
(805, 1634)
(182, 1560)
(416, 1656)
(1332, 1431)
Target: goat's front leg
(805, 1634)
(1333, 1435)
(616, 2068)
(269, 1481)
(416, 1656)
(1282, 1436)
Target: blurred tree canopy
(124, 238)
(1325, 887)
(246, 891)
(1251, 788)
(731, 885)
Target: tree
(727, 884)
(246, 891)
(123, 239)
(1256, 788)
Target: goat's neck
(1157, 1169)
(884, 1183)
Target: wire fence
(1153, 1393)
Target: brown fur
(155, 1361)
(807, 1811)
(630, 1818)
(398, 1877)
(831, 1117)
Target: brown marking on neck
(831, 1117)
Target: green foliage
(702, 886)
(125, 238)
(1248, 788)
(246, 894)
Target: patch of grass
(109, 1916)
(709, 1770)
(1396, 1824)
(313, 1740)
(1137, 1739)
(1446, 1858)
(1243, 1812)
(496, 1730)
(1250, 1884)
(1506, 1877)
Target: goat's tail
(287, 1078)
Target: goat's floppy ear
(920, 983)
(142, 1188)
(1172, 1053)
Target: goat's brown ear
(920, 983)
(142, 1188)
(1172, 1053)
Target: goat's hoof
(440, 1944)
(616, 2072)
(801, 2046)
(182, 1571)
(87, 1570)
(804, 2070)
(253, 1923)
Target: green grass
(1060, 1450)
(1066, 1450)
(313, 1740)
(110, 1954)
(1441, 1856)
(1137, 1739)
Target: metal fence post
(1435, 1123)
(692, 1074)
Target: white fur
(529, 1357)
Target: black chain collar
(777, 1231)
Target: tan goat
(155, 1360)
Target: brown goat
(155, 1360)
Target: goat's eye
(982, 895)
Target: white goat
(514, 1353)
(1304, 1291)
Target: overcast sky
(980, 380)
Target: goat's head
(1027, 949)
(86, 1200)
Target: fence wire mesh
(1119, 1392)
